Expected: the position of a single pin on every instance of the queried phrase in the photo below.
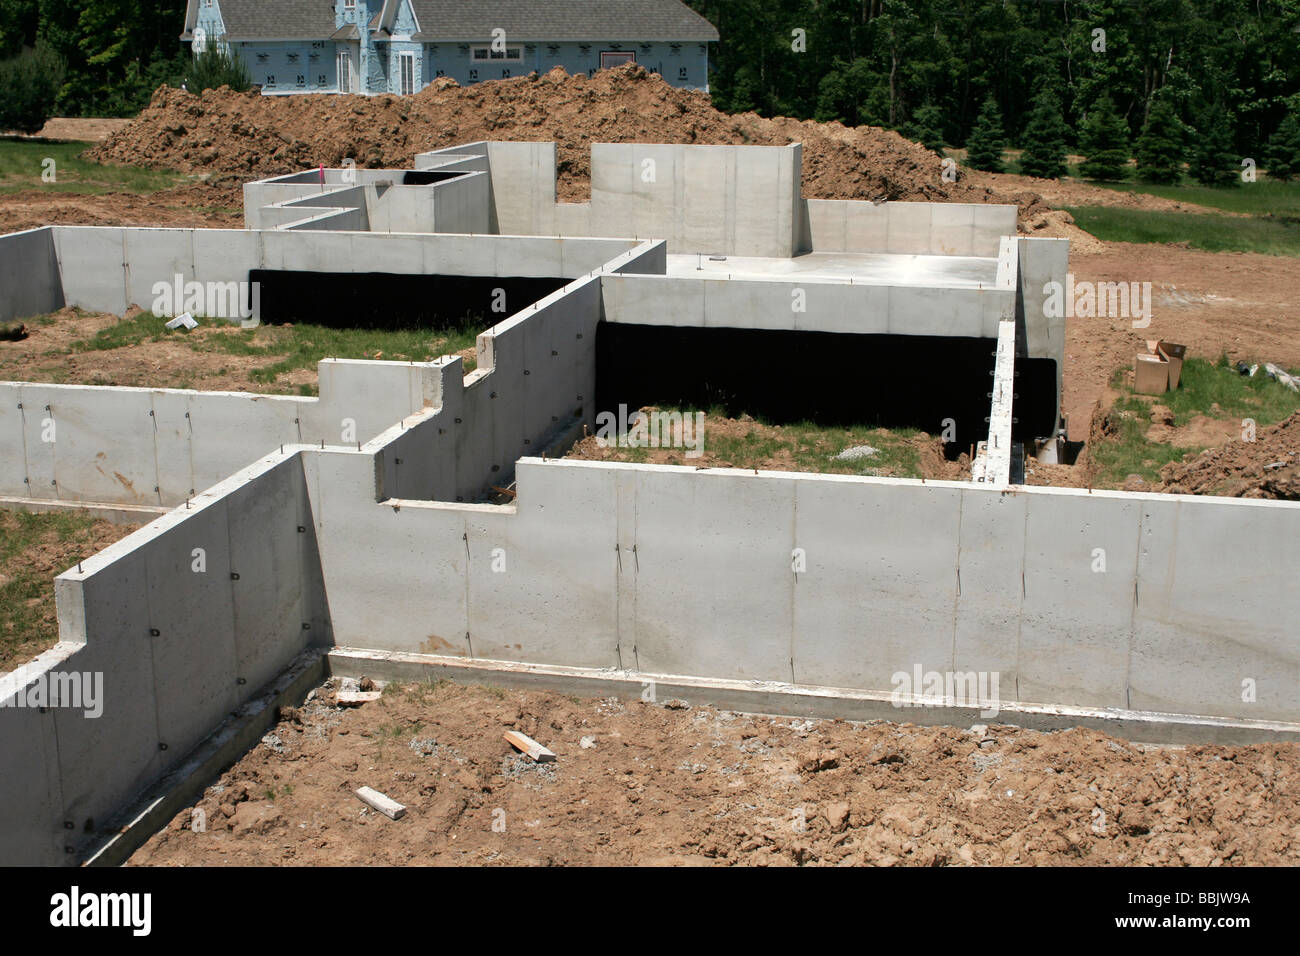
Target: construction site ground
(657, 784)
(662, 783)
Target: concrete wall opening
(830, 378)
(384, 300)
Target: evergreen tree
(986, 141)
(1105, 141)
(1160, 147)
(1282, 156)
(926, 128)
(1213, 162)
(1043, 143)
(30, 82)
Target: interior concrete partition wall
(137, 446)
(734, 200)
(1104, 600)
(29, 275)
(905, 228)
(537, 376)
(109, 269)
(179, 647)
(806, 305)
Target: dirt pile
(1268, 467)
(246, 133)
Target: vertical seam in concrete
(126, 276)
(1024, 593)
(469, 629)
(794, 579)
(157, 472)
(22, 433)
(956, 601)
(1132, 611)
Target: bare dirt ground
(46, 356)
(667, 784)
(213, 204)
(27, 576)
(85, 129)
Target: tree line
(1207, 82)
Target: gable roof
(472, 19)
(561, 20)
(274, 19)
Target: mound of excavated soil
(1268, 467)
(225, 132)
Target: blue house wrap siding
(284, 65)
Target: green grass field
(23, 161)
(1208, 231)
(1204, 386)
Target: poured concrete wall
(178, 649)
(905, 228)
(735, 200)
(947, 576)
(94, 277)
(136, 446)
(827, 306)
(537, 375)
(29, 275)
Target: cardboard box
(1151, 374)
(1175, 354)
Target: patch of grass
(810, 446)
(286, 348)
(1214, 390)
(1267, 198)
(1209, 231)
(27, 592)
(23, 161)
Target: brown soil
(222, 131)
(171, 363)
(85, 129)
(1268, 467)
(215, 204)
(49, 556)
(667, 784)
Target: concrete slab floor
(948, 272)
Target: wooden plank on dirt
(352, 698)
(377, 801)
(528, 745)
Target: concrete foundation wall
(93, 276)
(537, 373)
(827, 306)
(135, 446)
(29, 275)
(905, 228)
(735, 200)
(899, 574)
(178, 648)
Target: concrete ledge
(238, 734)
(117, 514)
(793, 700)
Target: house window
(406, 71)
(485, 53)
(615, 58)
(349, 4)
(345, 73)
